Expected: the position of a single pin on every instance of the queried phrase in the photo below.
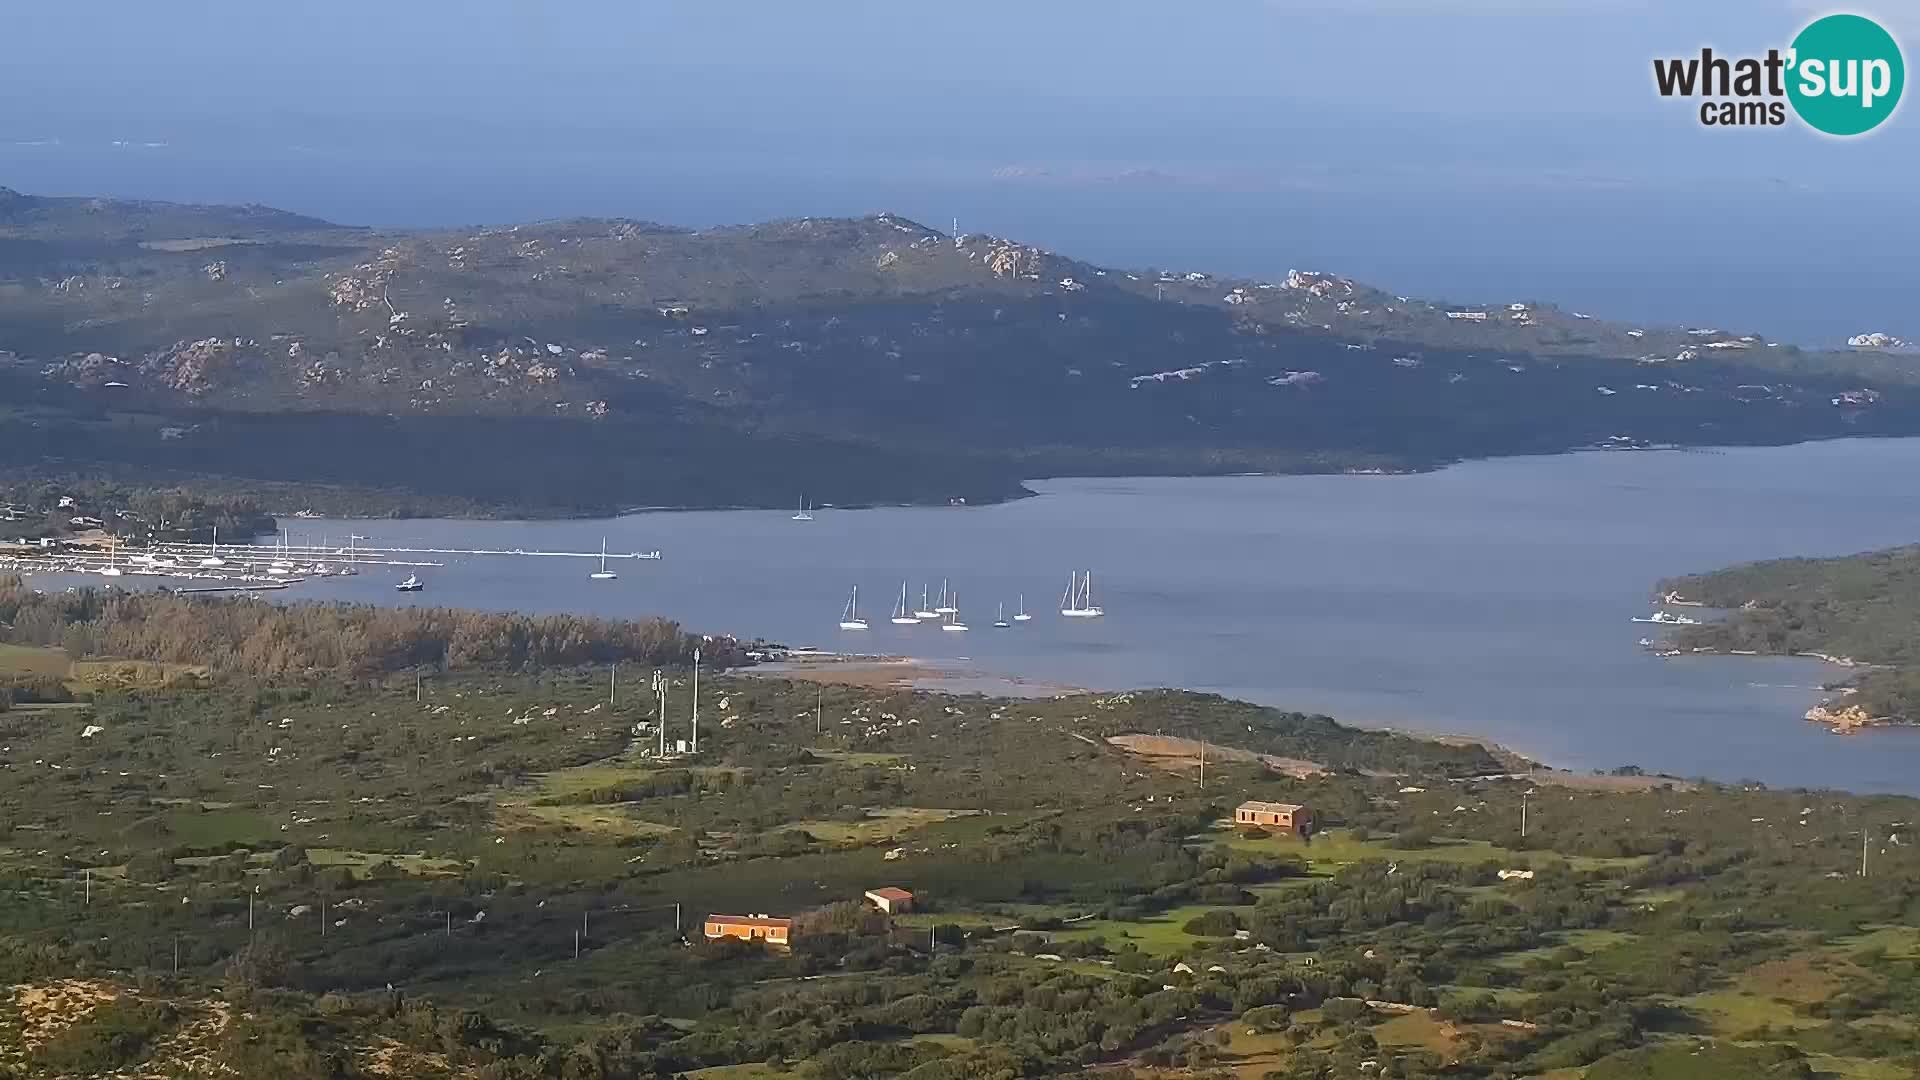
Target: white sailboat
(411, 584)
(850, 618)
(925, 612)
(213, 557)
(803, 514)
(1001, 622)
(1021, 615)
(603, 574)
(953, 617)
(901, 616)
(946, 607)
(113, 548)
(1078, 601)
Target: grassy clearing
(1901, 942)
(134, 674)
(1732, 1013)
(1417, 1030)
(855, 757)
(1161, 935)
(214, 828)
(358, 862)
(758, 1070)
(1250, 1054)
(610, 819)
(1336, 848)
(882, 823)
(1828, 1067)
(31, 660)
(583, 778)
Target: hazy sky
(1235, 92)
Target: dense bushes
(263, 640)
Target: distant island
(589, 366)
(1861, 611)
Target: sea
(1492, 598)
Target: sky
(1215, 92)
(1394, 138)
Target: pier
(245, 567)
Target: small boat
(803, 514)
(1021, 615)
(412, 584)
(901, 616)
(946, 607)
(953, 617)
(1646, 643)
(1078, 601)
(603, 574)
(213, 555)
(650, 556)
(1663, 618)
(923, 611)
(850, 618)
(1001, 623)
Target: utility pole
(660, 681)
(576, 944)
(250, 896)
(1203, 764)
(1523, 812)
(819, 708)
(89, 900)
(583, 926)
(612, 669)
(696, 699)
(1864, 834)
(676, 918)
(449, 914)
(416, 685)
(323, 916)
(176, 954)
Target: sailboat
(1078, 601)
(110, 570)
(1001, 623)
(411, 584)
(213, 558)
(953, 616)
(803, 514)
(901, 616)
(603, 574)
(925, 612)
(1021, 615)
(946, 607)
(850, 618)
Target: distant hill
(592, 364)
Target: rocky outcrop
(1845, 719)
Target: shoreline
(885, 672)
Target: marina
(256, 566)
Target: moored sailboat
(850, 618)
(1078, 601)
(901, 616)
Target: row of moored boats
(1075, 603)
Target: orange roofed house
(1285, 817)
(891, 900)
(773, 931)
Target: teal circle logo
(1847, 74)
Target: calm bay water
(1489, 599)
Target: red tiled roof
(763, 921)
